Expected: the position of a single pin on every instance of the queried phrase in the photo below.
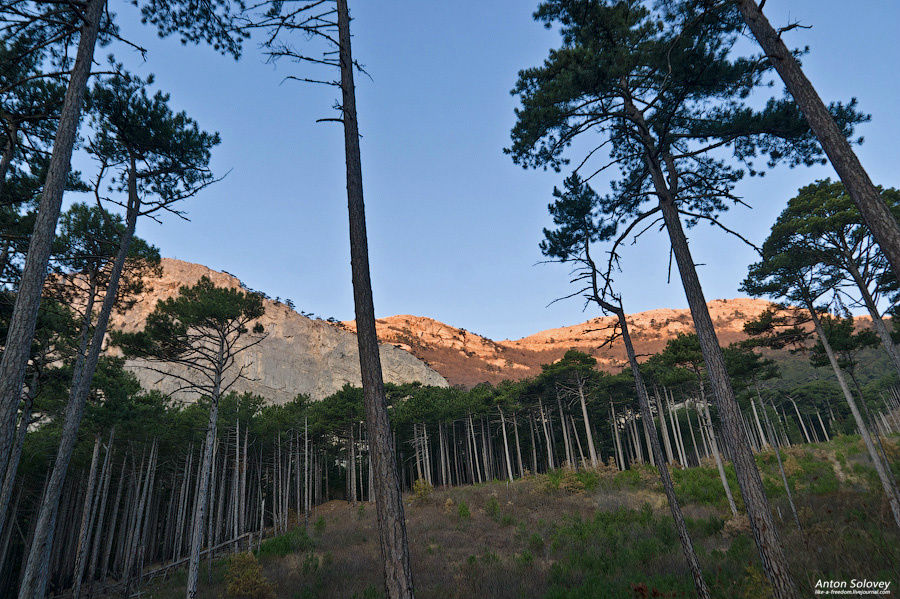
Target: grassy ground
(584, 534)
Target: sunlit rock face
(467, 359)
(298, 354)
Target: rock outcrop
(465, 358)
(298, 355)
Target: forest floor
(585, 534)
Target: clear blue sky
(453, 224)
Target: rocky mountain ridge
(317, 357)
(466, 359)
(298, 355)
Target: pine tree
(791, 271)
(663, 94)
(327, 24)
(829, 131)
(201, 332)
(207, 21)
(571, 242)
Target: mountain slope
(466, 359)
(298, 355)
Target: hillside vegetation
(587, 533)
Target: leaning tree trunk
(889, 489)
(509, 470)
(589, 438)
(664, 475)
(388, 500)
(84, 531)
(761, 521)
(12, 465)
(81, 379)
(877, 321)
(784, 480)
(28, 299)
(717, 455)
(844, 160)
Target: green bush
(319, 526)
(463, 511)
(422, 489)
(492, 507)
(292, 541)
(244, 578)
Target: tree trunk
(664, 428)
(687, 413)
(81, 387)
(550, 463)
(676, 428)
(844, 160)
(509, 472)
(84, 530)
(28, 299)
(12, 141)
(717, 455)
(577, 440)
(531, 428)
(101, 513)
(12, 466)
(759, 428)
(877, 321)
(589, 438)
(763, 526)
(784, 480)
(518, 446)
(203, 476)
(570, 461)
(388, 501)
(822, 426)
(113, 521)
(614, 422)
(664, 475)
(800, 418)
(307, 503)
(889, 489)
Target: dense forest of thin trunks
(126, 511)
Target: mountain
(317, 357)
(466, 359)
(298, 355)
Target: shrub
(492, 507)
(319, 526)
(310, 564)
(422, 489)
(463, 511)
(245, 579)
(290, 542)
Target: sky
(453, 224)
